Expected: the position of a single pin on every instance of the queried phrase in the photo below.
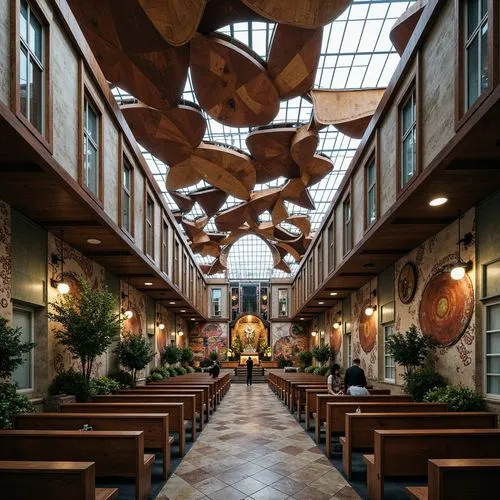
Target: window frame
(321, 264)
(488, 396)
(287, 313)
(126, 160)
(212, 302)
(386, 356)
(347, 200)
(45, 137)
(331, 245)
(411, 93)
(32, 352)
(372, 160)
(165, 233)
(462, 115)
(148, 197)
(176, 263)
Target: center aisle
(254, 448)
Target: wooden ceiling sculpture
(146, 47)
(403, 28)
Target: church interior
(249, 249)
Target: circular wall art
(407, 282)
(336, 339)
(367, 330)
(446, 308)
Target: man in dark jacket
(215, 370)
(249, 370)
(355, 377)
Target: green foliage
(262, 346)
(321, 370)
(420, 381)
(322, 353)
(186, 355)
(89, 323)
(410, 349)
(154, 376)
(103, 385)
(180, 370)
(11, 403)
(71, 383)
(284, 362)
(237, 347)
(124, 378)
(205, 363)
(305, 358)
(170, 355)
(309, 369)
(458, 397)
(214, 355)
(190, 369)
(163, 372)
(134, 353)
(172, 372)
(12, 348)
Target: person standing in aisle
(249, 370)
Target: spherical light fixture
(369, 311)
(63, 288)
(181, 333)
(314, 333)
(161, 326)
(437, 202)
(128, 314)
(336, 325)
(458, 272)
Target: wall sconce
(338, 322)
(461, 267)
(159, 324)
(314, 332)
(371, 308)
(60, 284)
(126, 311)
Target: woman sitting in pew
(335, 382)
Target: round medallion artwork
(367, 330)
(446, 308)
(336, 339)
(407, 282)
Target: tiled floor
(254, 448)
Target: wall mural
(439, 313)
(446, 308)
(367, 329)
(207, 337)
(334, 335)
(5, 262)
(288, 339)
(75, 265)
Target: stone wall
(5, 262)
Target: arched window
(250, 258)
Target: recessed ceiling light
(192, 319)
(301, 319)
(436, 202)
(320, 303)
(93, 241)
(148, 283)
(333, 293)
(172, 303)
(183, 310)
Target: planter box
(269, 364)
(53, 403)
(229, 364)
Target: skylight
(356, 53)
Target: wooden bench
(459, 479)
(199, 402)
(51, 481)
(360, 427)
(175, 412)
(188, 400)
(323, 399)
(155, 426)
(336, 412)
(406, 452)
(116, 454)
(180, 382)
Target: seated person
(335, 382)
(355, 380)
(215, 369)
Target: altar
(254, 356)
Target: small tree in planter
(89, 324)
(237, 347)
(134, 353)
(170, 355)
(186, 356)
(322, 353)
(214, 356)
(305, 358)
(11, 350)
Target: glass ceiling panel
(356, 53)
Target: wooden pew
(406, 452)
(179, 381)
(321, 401)
(51, 481)
(300, 396)
(155, 426)
(360, 427)
(188, 400)
(336, 412)
(199, 404)
(459, 479)
(175, 412)
(117, 453)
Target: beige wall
(4, 52)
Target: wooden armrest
(149, 458)
(369, 459)
(342, 440)
(418, 492)
(106, 493)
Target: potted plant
(170, 355)
(186, 356)
(305, 358)
(12, 349)
(322, 353)
(134, 353)
(89, 324)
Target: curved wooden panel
(170, 135)
(270, 147)
(183, 201)
(315, 170)
(175, 20)
(348, 110)
(304, 144)
(210, 199)
(293, 59)
(206, 248)
(279, 212)
(220, 13)
(295, 191)
(194, 228)
(182, 175)
(302, 13)
(231, 85)
(403, 28)
(301, 222)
